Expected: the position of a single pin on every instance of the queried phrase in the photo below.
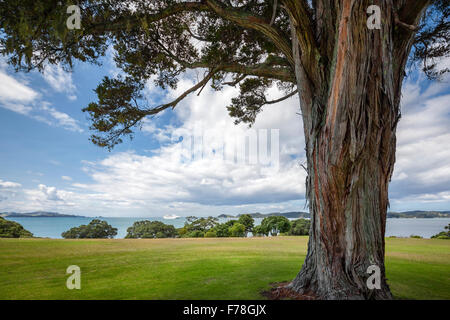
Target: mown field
(226, 268)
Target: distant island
(289, 215)
(37, 214)
(419, 214)
(297, 215)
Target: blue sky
(48, 163)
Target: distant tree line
(211, 228)
(195, 228)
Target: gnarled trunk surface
(350, 111)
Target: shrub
(12, 229)
(415, 236)
(211, 234)
(195, 234)
(182, 232)
(96, 229)
(237, 230)
(151, 229)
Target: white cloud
(9, 184)
(422, 170)
(129, 183)
(50, 193)
(162, 179)
(62, 119)
(20, 98)
(60, 80)
(66, 178)
(8, 189)
(166, 179)
(13, 91)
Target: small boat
(171, 217)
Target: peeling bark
(350, 122)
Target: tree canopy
(96, 229)
(244, 43)
(237, 230)
(151, 229)
(300, 227)
(12, 229)
(275, 224)
(247, 221)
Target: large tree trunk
(350, 109)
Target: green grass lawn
(224, 268)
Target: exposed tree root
(281, 291)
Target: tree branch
(283, 98)
(167, 12)
(236, 81)
(402, 24)
(409, 11)
(302, 18)
(247, 20)
(174, 103)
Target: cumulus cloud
(422, 170)
(172, 176)
(169, 179)
(50, 193)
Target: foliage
(300, 227)
(235, 43)
(96, 229)
(432, 42)
(230, 223)
(200, 224)
(222, 230)
(150, 229)
(211, 234)
(195, 234)
(12, 229)
(209, 227)
(247, 221)
(259, 231)
(181, 231)
(275, 225)
(237, 230)
(443, 234)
